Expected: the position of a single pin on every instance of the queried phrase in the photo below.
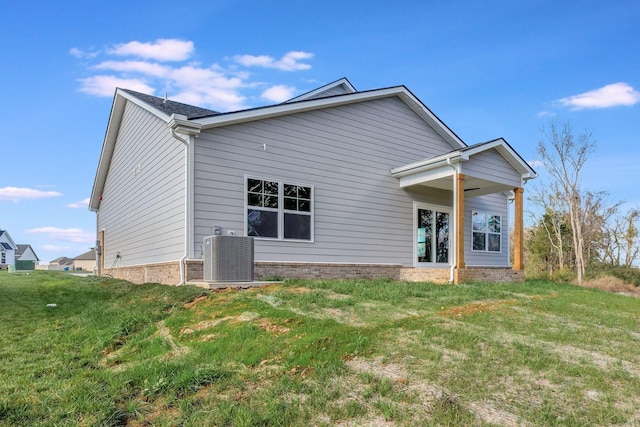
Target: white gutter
(428, 164)
(180, 124)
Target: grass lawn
(315, 353)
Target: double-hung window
(279, 210)
(487, 232)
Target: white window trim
(433, 207)
(486, 233)
(280, 210)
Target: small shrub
(629, 275)
(563, 276)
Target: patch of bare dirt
(193, 303)
(476, 307)
(268, 326)
(154, 412)
(205, 324)
(370, 422)
(177, 350)
(336, 296)
(247, 316)
(298, 290)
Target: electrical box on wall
(228, 258)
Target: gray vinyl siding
(346, 153)
(495, 204)
(491, 165)
(143, 216)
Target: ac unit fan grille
(228, 259)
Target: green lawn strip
(315, 353)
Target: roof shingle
(172, 107)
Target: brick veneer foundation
(169, 272)
(490, 274)
(166, 272)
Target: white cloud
(16, 194)
(55, 248)
(160, 50)
(546, 114)
(213, 86)
(612, 95)
(536, 164)
(207, 87)
(106, 85)
(278, 93)
(289, 62)
(81, 54)
(142, 67)
(75, 235)
(81, 204)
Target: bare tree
(631, 236)
(551, 200)
(599, 212)
(621, 240)
(564, 155)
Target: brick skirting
(294, 270)
(490, 274)
(169, 272)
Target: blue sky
(488, 69)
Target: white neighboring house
(7, 250)
(26, 257)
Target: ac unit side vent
(228, 259)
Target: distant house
(26, 258)
(333, 183)
(7, 250)
(86, 261)
(61, 263)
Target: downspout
(180, 124)
(455, 222)
(186, 204)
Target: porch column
(459, 213)
(518, 231)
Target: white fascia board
(113, 126)
(427, 164)
(260, 113)
(311, 94)
(419, 177)
(297, 107)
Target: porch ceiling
(491, 167)
(472, 186)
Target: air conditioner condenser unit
(228, 259)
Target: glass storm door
(432, 235)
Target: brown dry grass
(612, 284)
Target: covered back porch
(469, 174)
